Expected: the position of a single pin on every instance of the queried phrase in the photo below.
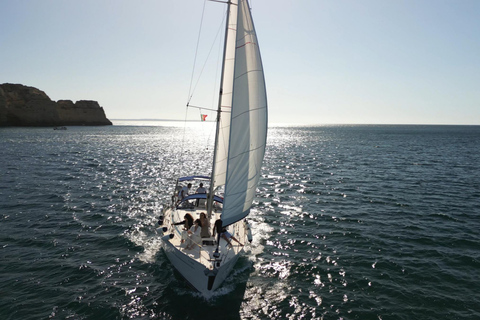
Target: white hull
(194, 272)
(198, 266)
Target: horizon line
(311, 124)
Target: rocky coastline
(28, 106)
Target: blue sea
(350, 222)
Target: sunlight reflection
(277, 268)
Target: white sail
(248, 123)
(239, 149)
(221, 154)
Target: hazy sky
(326, 61)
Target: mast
(219, 112)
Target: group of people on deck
(195, 230)
(183, 193)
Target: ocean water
(350, 222)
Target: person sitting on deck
(193, 236)
(205, 224)
(227, 236)
(184, 192)
(200, 189)
(217, 228)
(188, 223)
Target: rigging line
(211, 133)
(204, 135)
(190, 87)
(182, 154)
(205, 63)
(202, 108)
(219, 58)
(196, 52)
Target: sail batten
(247, 121)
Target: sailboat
(240, 141)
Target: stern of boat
(207, 265)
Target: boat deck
(202, 251)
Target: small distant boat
(60, 128)
(240, 142)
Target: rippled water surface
(350, 222)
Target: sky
(325, 61)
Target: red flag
(203, 117)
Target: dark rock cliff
(28, 106)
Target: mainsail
(225, 103)
(243, 144)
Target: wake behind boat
(204, 233)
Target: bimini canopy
(192, 178)
(200, 196)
